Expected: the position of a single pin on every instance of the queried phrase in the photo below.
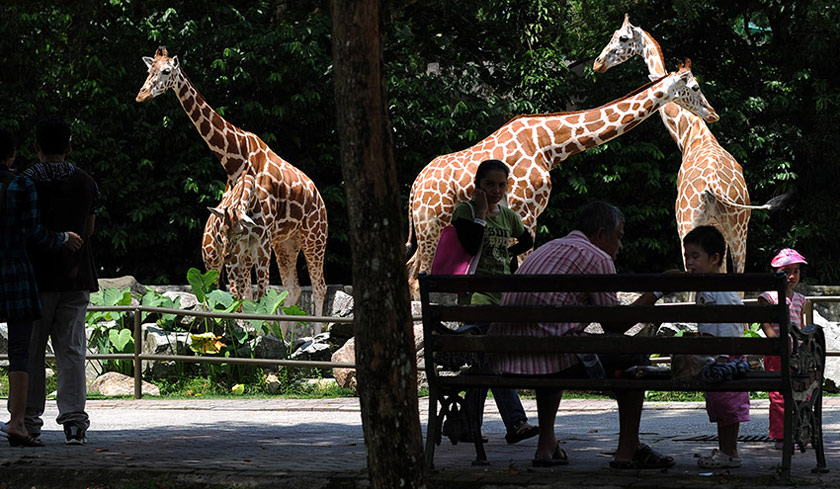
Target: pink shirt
(796, 306)
(572, 254)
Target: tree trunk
(385, 356)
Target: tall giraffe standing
(710, 185)
(533, 145)
(268, 203)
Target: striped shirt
(796, 307)
(572, 254)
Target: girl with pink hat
(788, 261)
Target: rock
(124, 282)
(272, 382)
(188, 302)
(342, 307)
(671, 329)
(116, 384)
(832, 343)
(313, 348)
(345, 377)
(156, 341)
(830, 311)
(270, 346)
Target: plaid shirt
(19, 225)
(572, 254)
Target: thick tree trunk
(385, 357)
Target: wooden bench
(802, 352)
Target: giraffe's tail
(771, 205)
(411, 241)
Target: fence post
(809, 311)
(138, 347)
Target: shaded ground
(318, 444)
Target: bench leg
(787, 447)
(817, 435)
(432, 428)
(474, 402)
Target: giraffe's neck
(558, 136)
(228, 142)
(683, 126)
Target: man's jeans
(63, 322)
(507, 401)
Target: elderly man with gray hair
(590, 248)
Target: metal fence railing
(138, 356)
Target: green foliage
(455, 72)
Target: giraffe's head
(626, 42)
(687, 93)
(236, 224)
(162, 75)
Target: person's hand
(672, 271)
(74, 241)
(480, 201)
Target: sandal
(559, 458)
(644, 458)
(16, 440)
(719, 460)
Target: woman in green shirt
(484, 225)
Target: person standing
(19, 304)
(486, 226)
(790, 262)
(705, 250)
(68, 198)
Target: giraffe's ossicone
(533, 145)
(268, 204)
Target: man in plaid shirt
(590, 248)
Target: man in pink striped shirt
(590, 248)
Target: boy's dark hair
(489, 165)
(52, 135)
(596, 215)
(8, 144)
(708, 238)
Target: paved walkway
(319, 444)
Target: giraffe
(710, 184)
(533, 145)
(268, 205)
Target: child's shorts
(727, 408)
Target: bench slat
(754, 383)
(604, 344)
(605, 314)
(600, 283)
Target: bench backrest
(434, 314)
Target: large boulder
(124, 282)
(156, 341)
(270, 346)
(832, 343)
(117, 384)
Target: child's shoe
(719, 460)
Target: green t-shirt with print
(494, 259)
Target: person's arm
(524, 242)
(470, 234)
(766, 327)
(646, 299)
(89, 226)
(30, 219)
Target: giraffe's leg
(314, 246)
(285, 253)
(262, 264)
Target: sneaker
(521, 431)
(74, 435)
(719, 460)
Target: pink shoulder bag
(450, 256)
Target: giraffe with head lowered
(710, 184)
(533, 145)
(268, 204)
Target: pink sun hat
(787, 256)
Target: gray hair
(596, 215)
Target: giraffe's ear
(148, 60)
(246, 219)
(216, 212)
(175, 62)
